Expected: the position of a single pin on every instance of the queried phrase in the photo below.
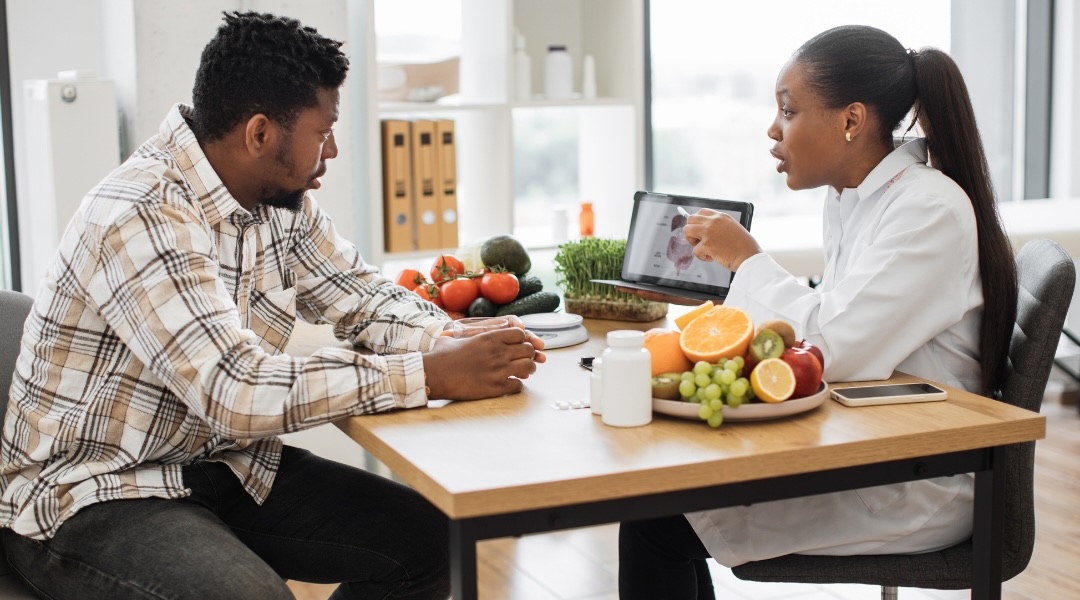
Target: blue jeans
(323, 522)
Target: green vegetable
(482, 307)
(506, 252)
(580, 261)
(530, 284)
(533, 303)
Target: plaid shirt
(156, 340)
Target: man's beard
(289, 200)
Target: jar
(558, 74)
(586, 219)
(627, 380)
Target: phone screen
(885, 391)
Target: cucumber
(528, 285)
(533, 303)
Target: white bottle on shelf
(522, 69)
(588, 77)
(627, 380)
(558, 74)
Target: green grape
(687, 388)
(705, 412)
(702, 368)
(740, 361)
(702, 380)
(716, 375)
(731, 365)
(715, 419)
(716, 404)
(727, 377)
(712, 392)
(739, 387)
(735, 401)
(688, 376)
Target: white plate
(757, 411)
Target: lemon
(773, 380)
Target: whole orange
(663, 347)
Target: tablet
(658, 258)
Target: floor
(582, 564)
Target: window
(713, 71)
(9, 224)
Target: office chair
(14, 307)
(1046, 277)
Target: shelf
(571, 103)
(496, 132)
(433, 107)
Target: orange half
(721, 332)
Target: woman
(919, 277)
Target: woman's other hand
(717, 237)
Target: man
(139, 456)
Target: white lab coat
(901, 291)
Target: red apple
(812, 349)
(749, 362)
(807, 370)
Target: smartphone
(892, 393)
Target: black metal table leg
(986, 539)
(463, 560)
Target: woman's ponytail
(944, 112)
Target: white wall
(43, 39)
(151, 50)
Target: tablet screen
(658, 253)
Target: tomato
(446, 267)
(458, 294)
(409, 278)
(500, 288)
(430, 293)
(455, 315)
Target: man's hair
(262, 63)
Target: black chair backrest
(14, 307)
(1047, 276)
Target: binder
(397, 187)
(425, 201)
(446, 183)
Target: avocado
(533, 303)
(505, 251)
(528, 285)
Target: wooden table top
(518, 453)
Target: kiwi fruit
(666, 386)
(783, 329)
(767, 344)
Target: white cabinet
(608, 129)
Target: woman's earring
(847, 136)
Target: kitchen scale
(557, 330)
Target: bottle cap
(626, 338)
(586, 205)
(557, 48)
